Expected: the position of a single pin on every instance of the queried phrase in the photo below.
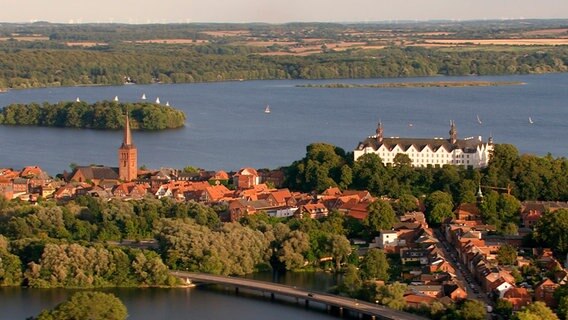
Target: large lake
(228, 129)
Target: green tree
(550, 230)
(507, 255)
(10, 269)
(563, 308)
(351, 281)
(473, 310)
(504, 308)
(406, 203)
(439, 206)
(391, 295)
(340, 249)
(375, 265)
(370, 174)
(293, 250)
(87, 305)
(381, 216)
(536, 311)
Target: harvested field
(544, 32)
(25, 38)
(510, 42)
(227, 33)
(172, 41)
(85, 44)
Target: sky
(274, 11)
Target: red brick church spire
(127, 155)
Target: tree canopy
(88, 306)
(99, 115)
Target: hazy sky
(274, 11)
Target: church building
(435, 152)
(127, 155)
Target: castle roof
(468, 145)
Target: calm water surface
(228, 129)
(180, 303)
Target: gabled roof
(467, 145)
(247, 172)
(97, 173)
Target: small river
(228, 129)
(202, 303)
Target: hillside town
(463, 258)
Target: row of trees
(49, 67)
(100, 115)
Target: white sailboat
(267, 109)
(143, 96)
(78, 100)
(167, 103)
(115, 98)
(479, 120)
(531, 120)
(158, 100)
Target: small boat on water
(158, 100)
(531, 120)
(115, 98)
(78, 100)
(167, 103)
(143, 96)
(479, 120)
(267, 109)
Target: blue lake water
(228, 129)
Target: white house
(436, 152)
(387, 238)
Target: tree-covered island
(99, 115)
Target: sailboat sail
(143, 96)
(478, 120)
(158, 100)
(531, 120)
(267, 109)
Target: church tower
(379, 131)
(453, 132)
(127, 155)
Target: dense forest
(43, 68)
(44, 54)
(100, 115)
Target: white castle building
(436, 152)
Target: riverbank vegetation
(434, 84)
(99, 115)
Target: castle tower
(380, 131)
(453, 132)
(127, 155)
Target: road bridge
(374, 311)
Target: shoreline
(428, 84)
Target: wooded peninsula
(100, 115)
